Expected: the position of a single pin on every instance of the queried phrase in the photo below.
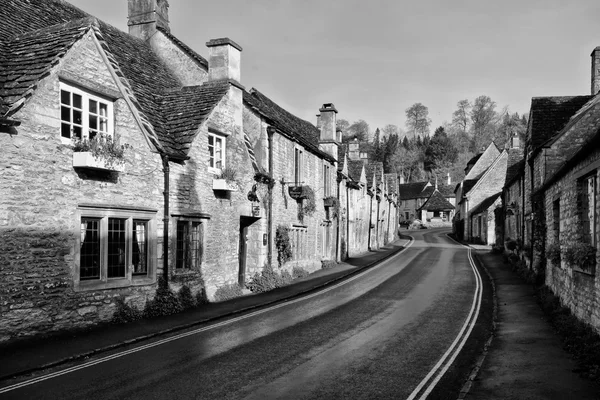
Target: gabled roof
(485, 204)
(34, 36)
(549, 115)
(185, 109)
(355, 168)
(374, 170)
(412, 190)
(437, 202)
(468, 185)
(342, 150)
(285, 122)
(483, 162)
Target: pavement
(523, 360)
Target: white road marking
(193, 332)
(443, 364)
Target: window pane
(65, 130)
(103, 125)
(116, 248)
(181, 248)
(65, 114)
(77, 117)
(195, 245)
(93, 106)
(65, 97)
(89, 252)
(77, 101)
(93, 122)
(77, 132)
(103, 109)
(140, 247)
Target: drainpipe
(370, 220)
(270, 132)
(165, 161)
(337, 224)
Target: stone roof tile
(436, 202)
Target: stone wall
(41, 192)
(577, 289)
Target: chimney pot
(145, 16)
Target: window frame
(103, 213)
(212, 164)
(200, 250)
(583, 194)
(86, 96)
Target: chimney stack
(354, 150)
(327, 123)
(223, 60)
(145, 16)
(318, 121)
(595, 70)
(402, 179)
(514, 142)
(449, 179)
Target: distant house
(413, 196)
(437, 210)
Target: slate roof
(412, 190)
(485, 204)
(468, 185)
(342, 150)
(436, 202)
(185, 109)
(288, 124)
(354, 169)
(34, 36)
(549, 115)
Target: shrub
(102, 147)
(283, 244)
(165, 302)
(308, 205)
(201, 297)
(326, 264)
(185, 297)
(265, 179)
(581, 255)
(125, 313)
(227, 292)
(264, 281)
(299, 273)
(513, 258)
(553, 254)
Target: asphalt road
(377, 335)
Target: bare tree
(460, 117)
(417, 119)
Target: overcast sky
(374, 59)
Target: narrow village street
(379, 333)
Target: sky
(374, 59)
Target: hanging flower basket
(330, 201)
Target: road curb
(181, 327)
(475, 371)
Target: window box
(86, 159)
(222, 184)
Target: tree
(460, 117)
(376, 148)
(440, 152)
(390, 130)
(408, 163)
(389, 146)
(483, 118)
(359, 130)
(405, 143)
(417, 119)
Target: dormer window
(83, 115)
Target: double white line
(437, 372)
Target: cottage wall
(578, 290)
(358, 219)
(40, 194)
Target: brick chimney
(223, 59)
(595, 70)
(327, 121)
(147, 15)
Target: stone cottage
(187, 200)
(414, 195)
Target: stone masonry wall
(577, 290)
(188, 71)
(39, 195)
